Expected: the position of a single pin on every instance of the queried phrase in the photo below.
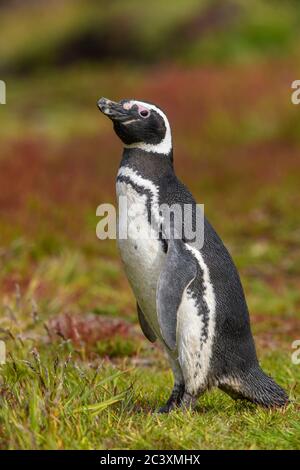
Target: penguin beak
(113, 110)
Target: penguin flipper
(146, 328)
(178, 272)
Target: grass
(51, 398)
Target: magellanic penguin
(189, 298)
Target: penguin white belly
(141, 253)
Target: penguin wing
(178, 272)
(146, 328)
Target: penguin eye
(144, 113)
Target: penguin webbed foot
(174, 401)
(165, 408)
(188, 401)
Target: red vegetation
(88, 328)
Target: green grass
(53, 399)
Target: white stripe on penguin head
(165, 146)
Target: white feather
(141, 252)
(191, 347)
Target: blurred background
(222, 71)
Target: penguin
(189, 295)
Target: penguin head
(139, 124)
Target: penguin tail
(256, 386)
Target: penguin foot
(166, 408)
(188, 401)
(174, 401)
